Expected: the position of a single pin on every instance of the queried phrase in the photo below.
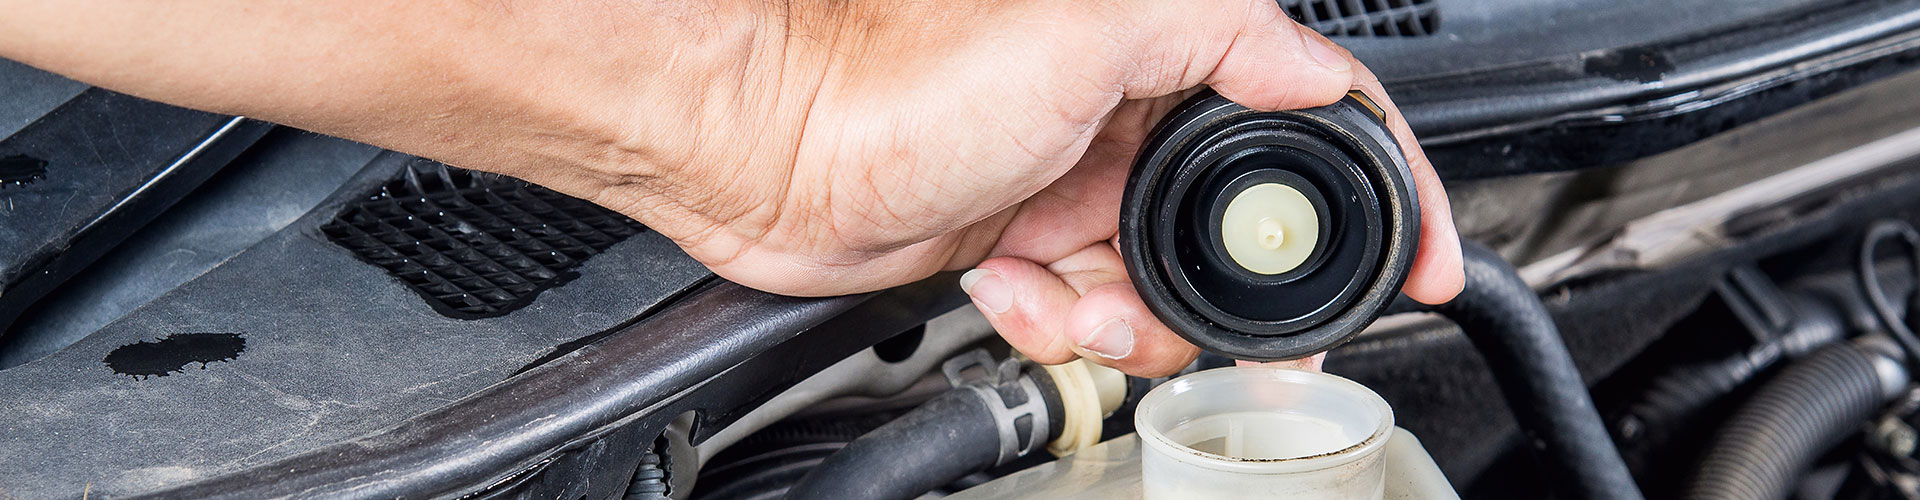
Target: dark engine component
(473, 244)
(1269, 235)
(1767, 445)
(1512, 329)
(1366, 19)
(1011, 412)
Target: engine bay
(1691, 222)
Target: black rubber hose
(1792, 419)
(1680, 394)
(1677, 398)
(651, 479)
(948, 437)
(1870, 280)
(1507, 323)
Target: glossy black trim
(718, 353)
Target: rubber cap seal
(1340, 158)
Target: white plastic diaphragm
(1270, 228)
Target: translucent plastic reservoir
(1263, 432)
(1262, 435)
(1249, 432)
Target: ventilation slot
(473, 244)
(1368, 18)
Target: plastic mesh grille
(475, 245)
(1369, 18)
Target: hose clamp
(1011, 396)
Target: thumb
(1248, 50)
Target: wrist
(685, 136)
(586, 99)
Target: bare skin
(807, 148)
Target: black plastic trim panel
(1614, 105)
(1366, 18)
(472, 244)
(104, 165)
(718, 353)
(327, 349)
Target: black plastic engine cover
(293, 344)
(81, 178)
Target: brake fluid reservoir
(1244, 432)
(1262, 432)
(1269, 236)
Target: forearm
(538, 89)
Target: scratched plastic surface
(1111, 471)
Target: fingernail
(1326, 52)
(1111, 340)
(989, 289)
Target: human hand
(810, 147)
(1002, 136)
